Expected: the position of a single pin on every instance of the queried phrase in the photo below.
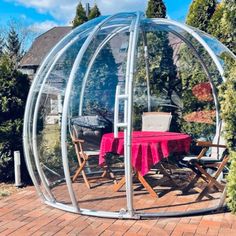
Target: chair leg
(104, 174)
(191, 184)
(84, 158)
(112, 176)
(203, 193)
(86, 179)
(212, 180)
(119, 185)
(108, 172)
(79, 171)
(164, 172)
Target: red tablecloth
(148, 148)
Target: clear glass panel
(33, 99)
(49, 121)
(220, 50)
(102, 68)
(173, 102)
(174, 97)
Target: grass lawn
(7, 190)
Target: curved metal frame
(210, 52)
(201, 61)
(36, 109)
(52, 58)
(35, 116)
(100, 47)
(36, 82)
(66, 104)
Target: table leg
(141, 179)
(146, 185)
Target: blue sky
(40, 15)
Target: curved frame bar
(147, 67)
(66, 105)
(201, 60)
(198, 31)
(198, 38)
(29, 105)
(35, 117)
(128, 130)
(220, 69)
(100, 47)
(208, 49)
(128, 114)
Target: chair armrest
(78, 140)
(209, 144)
(203, 143)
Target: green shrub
(14, 88)
(228, 108)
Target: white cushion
(154, 121)
(204, 158)
(92, 153)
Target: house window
(54, 106)
(124, 47)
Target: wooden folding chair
(83, 157)
(201, 164)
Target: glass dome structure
(105, 74)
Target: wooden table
(148, 149)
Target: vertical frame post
(128, 112)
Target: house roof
(43, 44)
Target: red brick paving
(24, 214)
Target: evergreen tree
(13, 94)
(214, 27)
(192, 73)
(156, 9)
(228, 24)
(13, 47)
(200, 13)
(161, 70)
(101, 84)
(80, 16)
(94, 12)
(228, 107)
(1, 46)
(228, 94)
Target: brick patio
(24, 214)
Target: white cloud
(64, 10)
(41, 27)
(23, 16)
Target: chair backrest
(217, 152)
(89, 129)
(74, 136)
(156, 121)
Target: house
(32, 61)
(40, 48)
